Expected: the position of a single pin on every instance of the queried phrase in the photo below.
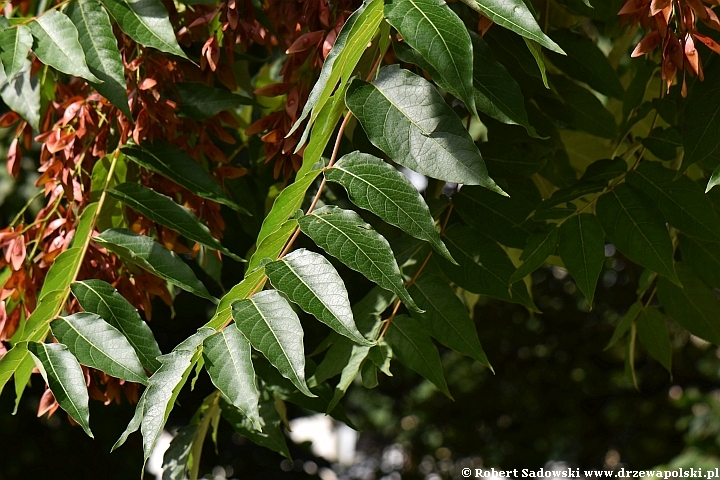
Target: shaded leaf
(539, 247)
(405, 116)
(165, 211)
(176, 164)
(348, 374)
(434, 31)
(378, 187)
(146, 22)
(57, 45)
(97, 344)
(101, 51)
(65, 378)
(153, 257)
(228, 361)
(583, 110)
(625, 323)
(200, 101)
(663, 142)
(700, 121)
(635, 226)
(582, 250)
(703, 257)
(177, 456)
(309, 280)
(446, 317)
(101, 298)
(652, 332)
(344, 235)
(15, 43)
(414, 348)
(268, 321)
(271, 436)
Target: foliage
(155, 121)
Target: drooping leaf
(405, 116)
(700, 121)
(309, 280)
(17, 363)
(101, 298)
(483, 268)
(151, 256)
(378, 187)
(583, 110)
(175, 163)
(582, 250)
(97, 344)
(652, 332)
(271, 326)
(15, 43)
(101, 50)
(22, 94)
(271, 436)
(681, 200)
(663, 142)
(344, 235)
(539, 247)
(501, 218)
(586, 62)
(625, 323)
(57, 45)
(348, 374)
(516, 16)
(200, 101)
(440, 37)
(635, 226)
(414, 348)
(446, 317)
(358, 30)
(165, 211)
(146, 22)
(496, 92)
(134, 423)
(694, 306)
(229, 364)
(177, 456)
(65, 378)
(164, 387)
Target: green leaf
(405, 116)
(252, 282)
(446, 317)
(15, 43)
(176, 164)
(539, 247)
(47, 309)
(586, 62)
(57, 45)
(177, 457)
(146, 22)
(309, 280)
(536, 53)
(349, 372)
(714, 178)
(681, 200)
(285, 206)
(165, 211)
(643, 71)
(434, 31)
(414, 348)
(663, 142)
(378, 187)
(505, 215)
(17, 363)
(62, 271)
(22, 94)
(694, 306)
(99, 345)
(497, 94)
(164, 387)
(101, 298)
(484, 266)
(625, 323)
(200, 101)
(516, 16)
(582, 250)
(358, 30)
(272, 245)
(268, 321)
(133, 425)
(153, 257)
(228, 361)
(703, 257)
(271, 437)
(344, 235)
(635, 226)
(101, 50)
(583, 110)
(652, 332)
(322, 130)
(700, 121)
(65, 378)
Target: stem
(27, 205)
